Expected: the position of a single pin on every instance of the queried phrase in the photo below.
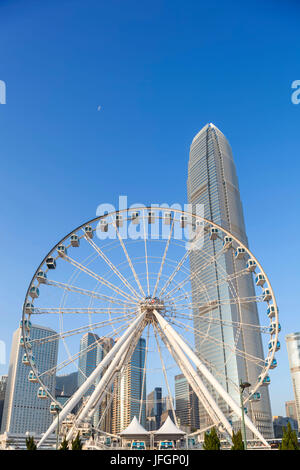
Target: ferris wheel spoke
(112, 266)
(97, 277)
(80, 330)
(165, 376)
(76, 356)
(81, 310)
(163, 259)
(146, 257)
(218, 321)
(89, 293)
(205, 307)
(243, 354)
(129, 260)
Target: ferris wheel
(195, 293)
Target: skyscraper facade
(212, 183)
(130, 391)
(293, 348)
(23, 410)
(187, 404)
(103, 414)
(3, 383)
(87, 359)
(154, 408)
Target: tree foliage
(76, 443)
(289, 439)
(211, 440)
(30, 443)
(237, 441)
(64, 445)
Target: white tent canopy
(169, 431)
(134, 430)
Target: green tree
(64, 445)
(76, 443)
(211, 440)
(237, 441)
(289, 439)
(30, 444)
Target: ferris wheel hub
(149, 304)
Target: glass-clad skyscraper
(23, 410)
(212, 182)
(130, 391)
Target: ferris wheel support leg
(214, 411)
(207, 374)
(90, 380)
(106, 379)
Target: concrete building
(3, 383)
(212, 182)
(293, 348)
(23, 410)
(290, 409)
(129, 392)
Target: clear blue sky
(160, 70)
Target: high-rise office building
(154, 409)
(130, 391)
(293, 348)
(103, 415)
(3, 383)
(87, 359)
(187, 404)
(23, 410)
(212, 183)
(290, 409)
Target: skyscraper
(3, 383)
(212, 182)
(293, 348)
(187, 404)
(154, 408)
(23, 410)
(88, 358)
(103, 414)
(129, 390)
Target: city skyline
(159, 90)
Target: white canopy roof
(169, 429)
(134, 429)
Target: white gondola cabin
(240, 252)
(267, 295)
(29, 307)
(41, 393)
(61, 250)
(88, 230)
(135, 217)
(255, 397)
(41, 277)
(25, 360)
(271, 311)
(119, 220)
(103, 225)
(183, 221)
(32, 377)
(51, 263)
(34, 292)
(167, 218)
(75, 242)
(273, 364)
(54, 408)
(25, 340)
(272, 328)
(264, 381)
(227, 242)
(251, 265)
(260, 279)
(272, 344)
(213, 233)
(27, 323)
(151, 217)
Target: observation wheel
(190, 291)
